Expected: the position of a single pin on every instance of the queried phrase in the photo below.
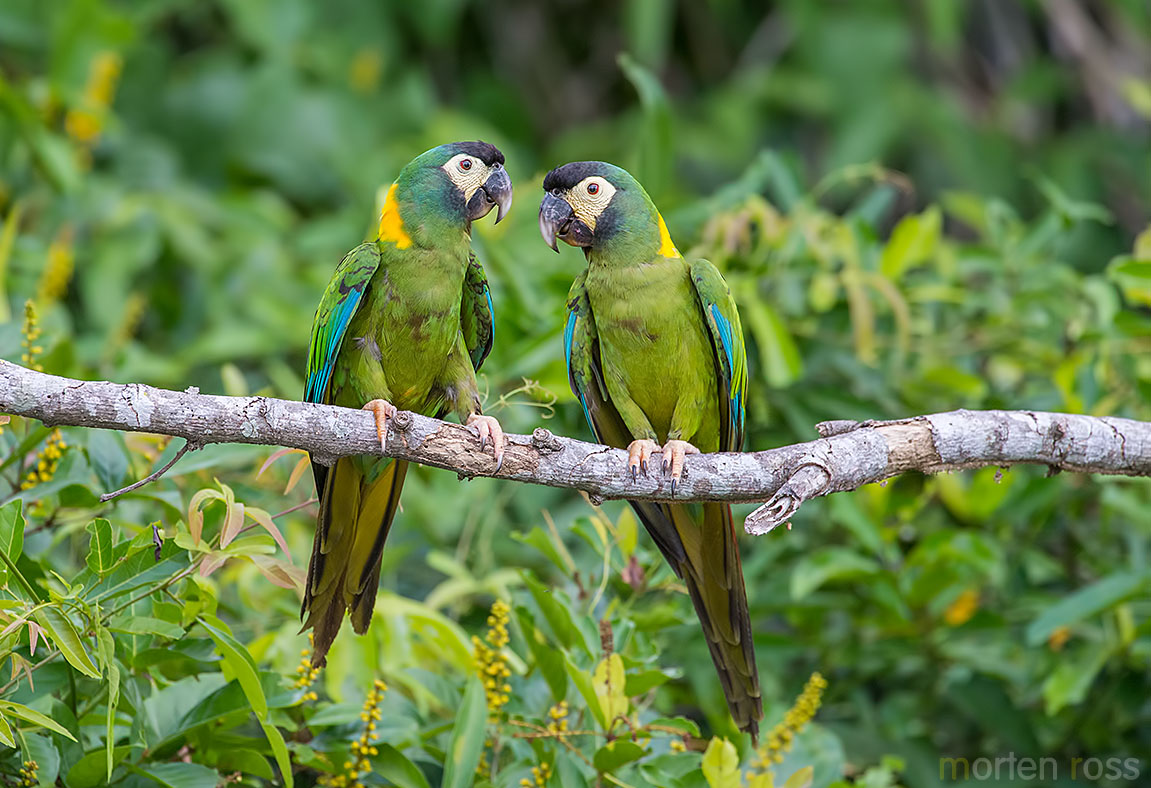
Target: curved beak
(497, 190)
(558, 220)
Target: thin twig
(154, 475)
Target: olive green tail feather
(713, 574)
(344, 573)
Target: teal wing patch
(477, 315)
(338, 306)
(731, 354)
(581, 353)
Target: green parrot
(655, 355)
(404, 324)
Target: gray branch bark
(846, 457)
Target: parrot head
(603, 209)
(455, 183)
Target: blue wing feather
(722, 319)
(338, 306)
(569, 335)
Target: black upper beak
(556, 216)
(497, 190)
(558, 220)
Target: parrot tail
(712, 571)
(344, 573)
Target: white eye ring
(465, 165)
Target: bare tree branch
(846, 457)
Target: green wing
(730, 353)
(333, 316)
(477, 315)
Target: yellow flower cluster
(962, 609)
(47, 462)
(85, 122)
(306, 675)
(358, 766)
(31, 332)
(795, 720)
(58, 268)
(558, 717)
(28, 774)
(540, 775)
(491, 665)
(1058, 638)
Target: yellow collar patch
(666, 247)
(391, 225)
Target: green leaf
(140, 568)
(146, 625)
(538, 539)
(182, 775)
(778, 354)
(549, 659)
(89, 771)
(279, 751)
(828, 564)
(644, 681)
(108, 456)
(12, 529)
(467, 740)
(913, 241)
(6, 732)
(583, 682)
(679, 723)
(558, 616)
(239, 662)
(1090, 601)
(65, 637)
(246, 762)
(609, 682)
(100, 550)
(1068, 683)
(394, 766)
(801, 778)
(721, 764)
(110, 722)
(36, 718)
(616, 754)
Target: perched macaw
(404, 324)
(655, 354)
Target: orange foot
(673, 453)
(491, 432)
(382, 410)
(638, 453)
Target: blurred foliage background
(919, 206)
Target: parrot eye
(593, 188)
(555, 192)
(465, 164)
